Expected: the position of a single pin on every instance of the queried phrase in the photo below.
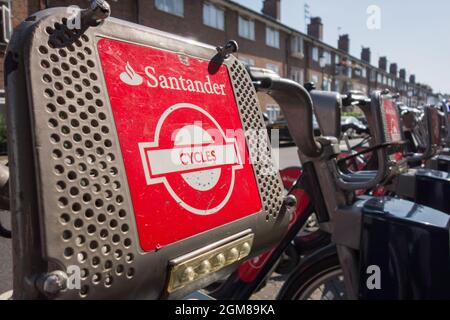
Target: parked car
(363, 120)
(353, 127)
(281, 125)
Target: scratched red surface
(435, 127)
(393, 124)
(137, 108)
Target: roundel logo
(193, 158)
(395, 133)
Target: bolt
(52, 283)
(290, 201)
(97, 12)
(229, 48)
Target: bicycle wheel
(318, 277)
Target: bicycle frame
(252, 273)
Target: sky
(413, 33)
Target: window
(297, 46)
(175, 7)
(297, 75)
(327, 57)
(273, 67)
(213, 16)
(6, 25)
(379, 78)
(349, 70)
(337, 85)
(373, 76)
(337, 59)
(273, 112)
(326, 84)
(272, 37)
(246, 28)
(315, 79)
(364, 72)
(315, 54)
(247, 61)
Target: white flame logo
(130, 76)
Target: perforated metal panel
(86, 214)
(268, 180)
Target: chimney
(315, 28)
(272, 9)
(382, 63)
(393, 69)
(365, 55)
(403, 74)
(344, 43)
(412, 79)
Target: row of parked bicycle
(353, 127)
(401, 170)
(102, 209)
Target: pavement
(287, 156)
(5, 248)
(5, 256)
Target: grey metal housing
(53, 228)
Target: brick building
(264, 42)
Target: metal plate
(85, 207)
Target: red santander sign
(393, 125)
(182, 142)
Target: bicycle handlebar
(355, 98)
(297, 107)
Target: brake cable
(369, 149)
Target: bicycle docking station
(139, 160)
(389, 224)
(423, 185)
(140, 168)
(394, 235)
